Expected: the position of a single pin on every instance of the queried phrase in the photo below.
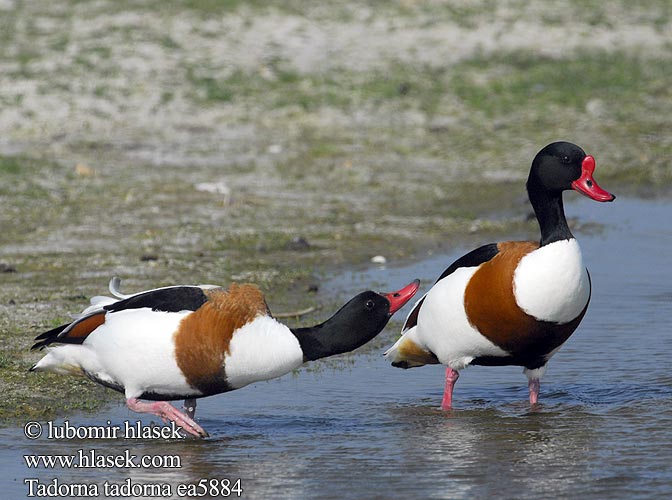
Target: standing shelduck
(509, 303)
(188, 342)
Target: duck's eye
(369, 304)
(565, 159)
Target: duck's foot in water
(451, 378)
(533, 386)
(168, 413)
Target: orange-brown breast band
(203, 337)
(490, 302)
(491, 307)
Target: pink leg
(167, 412)
(533, 385)
(451, 378)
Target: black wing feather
(52, 333)
(46, 338)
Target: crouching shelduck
(510, 303)
(188, 342)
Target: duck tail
(64, 360)
(406, 353)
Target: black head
(366, 314)
(561, 166)
(558, 167)
(353, 325)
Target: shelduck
(514, 302)
(188, 342)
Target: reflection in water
(524, 452)
(603, 428)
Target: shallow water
(603, 428)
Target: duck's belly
(552, 283)
(443, 326)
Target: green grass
(522, 80)
(597, 11)
(495, 101)
(282, 87)
(5, 360)
(496, 85)
(10, 165)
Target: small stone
(596, 108)
(83, 170)
(7, 268)
(298, 244)
(379, 259)
(442, 124)
(220, 188)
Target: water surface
(603, 428)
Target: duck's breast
(261, 350)
(551, 283)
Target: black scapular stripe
(173, 299)
(472, 259)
